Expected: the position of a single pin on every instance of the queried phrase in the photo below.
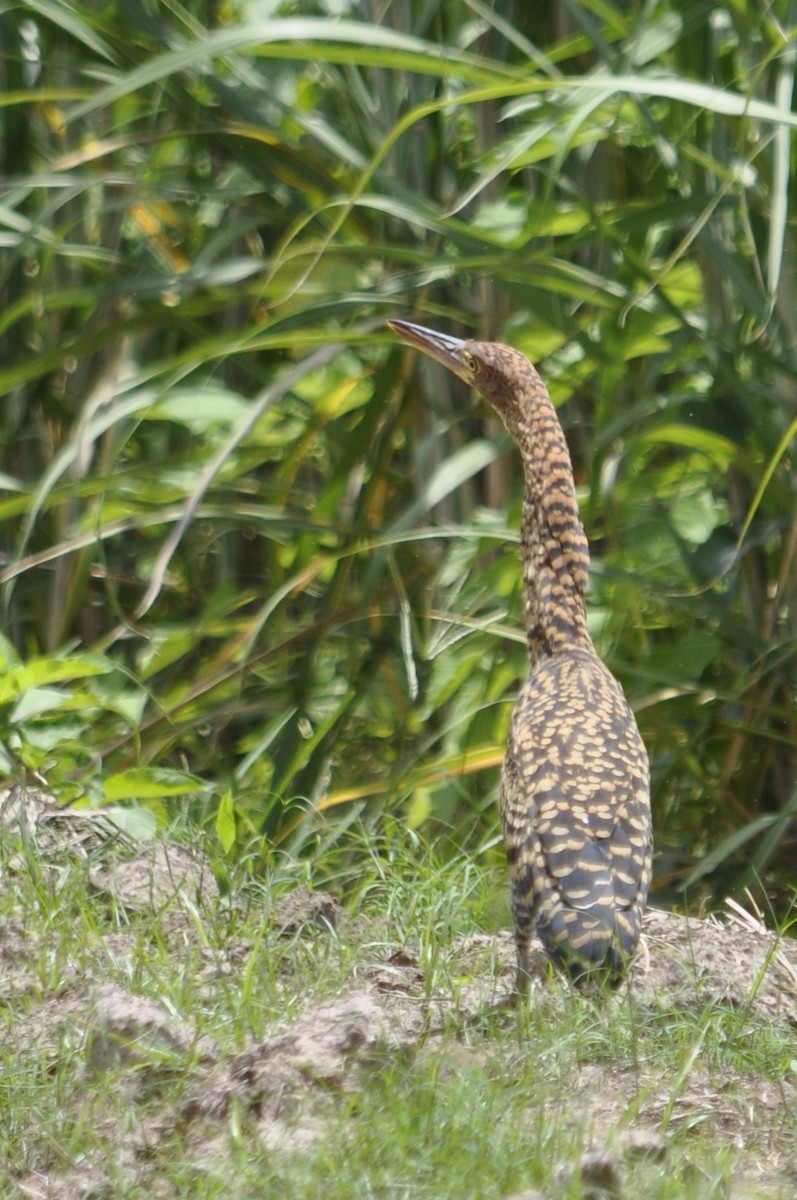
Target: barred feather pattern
(575, 788)
(575, 812)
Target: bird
(574, 796)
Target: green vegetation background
(259, 565)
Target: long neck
(554, 547)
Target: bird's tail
(588, 946)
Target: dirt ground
(283, 1082)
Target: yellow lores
(575, 787)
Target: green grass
(481, 1103)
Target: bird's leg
(523, 922)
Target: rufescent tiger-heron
(575, 787)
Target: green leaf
(141, 783)
(720, 450)
(684, 657)
(729, 846)
(199, 409)
(68, 736)
(291, 38)
(696, 516)
(419, 808)
(36, 701)
(39, 672)
(8, 765)
(225, 821)
(138, 823)
(65, 16)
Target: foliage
(246, 539)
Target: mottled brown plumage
(575, 791)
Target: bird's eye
(470, 362)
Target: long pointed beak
(439, 346)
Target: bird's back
(576, 814)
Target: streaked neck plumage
(554, 547)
